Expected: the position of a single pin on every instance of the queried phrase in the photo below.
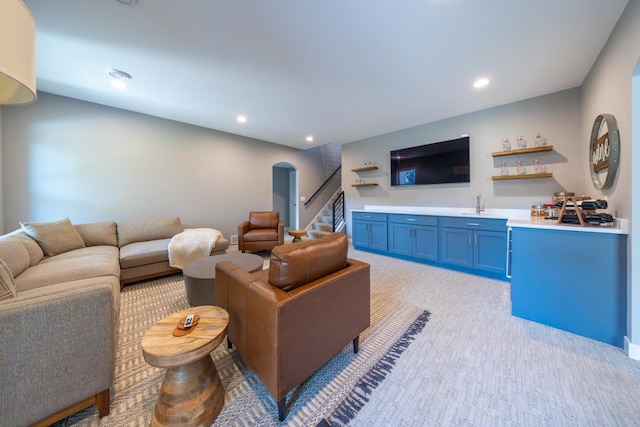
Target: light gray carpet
(476, 365)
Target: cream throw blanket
(190, 245)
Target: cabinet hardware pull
(473, 223)
(410, 219)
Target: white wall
(608, 89)
(555, 116)
(63, 157)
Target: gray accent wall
(555, 116)
(63, 157)
(609, 88)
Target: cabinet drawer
(474, 223)
(369, 216)
(413, 219)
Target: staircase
(323, 223)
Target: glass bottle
(539, 141)
(522, 143)
(520, 169)
(503, 169)
(506, 145)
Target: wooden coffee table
(297, 235)
(191, 392)
(200, 275)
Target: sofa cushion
(143, 253)
(261, 235)
(111, 251)
(7, 285)
(143, 231)
(67, 270)
(268, 219)
(14, 255)
(35, 251)
(98, 233)
(296, 264)
(54, 237)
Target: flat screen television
(438, 163)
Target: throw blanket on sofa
(190, 245)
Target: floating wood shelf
(522, 151)
(372, 184)
(527, 176)
(367, 168)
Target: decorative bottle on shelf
(506, 145)
(503, 169)
(539, 141)
(522, 143)
(520, 168)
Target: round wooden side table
(297, 235)
(191, 393)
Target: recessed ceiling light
(119, 74)
(241, 119)
(480, 83)
(309, 138)
(127, 2)
(120, 78)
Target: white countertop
(514, 217)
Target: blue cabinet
(413, 236)
(476, 245)
(572, 280)
(370, 231)
(470, 244)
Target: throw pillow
(54, 237)
(7, 285)
(98, 233)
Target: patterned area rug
(332, 396)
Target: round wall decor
(604, 150)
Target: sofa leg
(102, 402)
(356, 344)
(282, 403)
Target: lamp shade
(17, 53)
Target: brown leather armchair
(264, 230)
(289, 320)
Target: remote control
(188, 321)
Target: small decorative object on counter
(520, 168)
(506, 145)
(522, 143)
(539, 210)
(539, 141)
(504, 171)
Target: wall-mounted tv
(438, 163)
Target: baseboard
(633, 350)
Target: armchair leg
(356, 344)
(282, 403)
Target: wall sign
(604, 150)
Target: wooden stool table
(191, 393)
(297, 235)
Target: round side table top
(163, 350)
(297, 233)
(205, 268)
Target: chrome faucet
(478, 207)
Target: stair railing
(338, 211)
(324, 184)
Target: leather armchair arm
(242, 229)
(280, 232)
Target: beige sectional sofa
(59, 322)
